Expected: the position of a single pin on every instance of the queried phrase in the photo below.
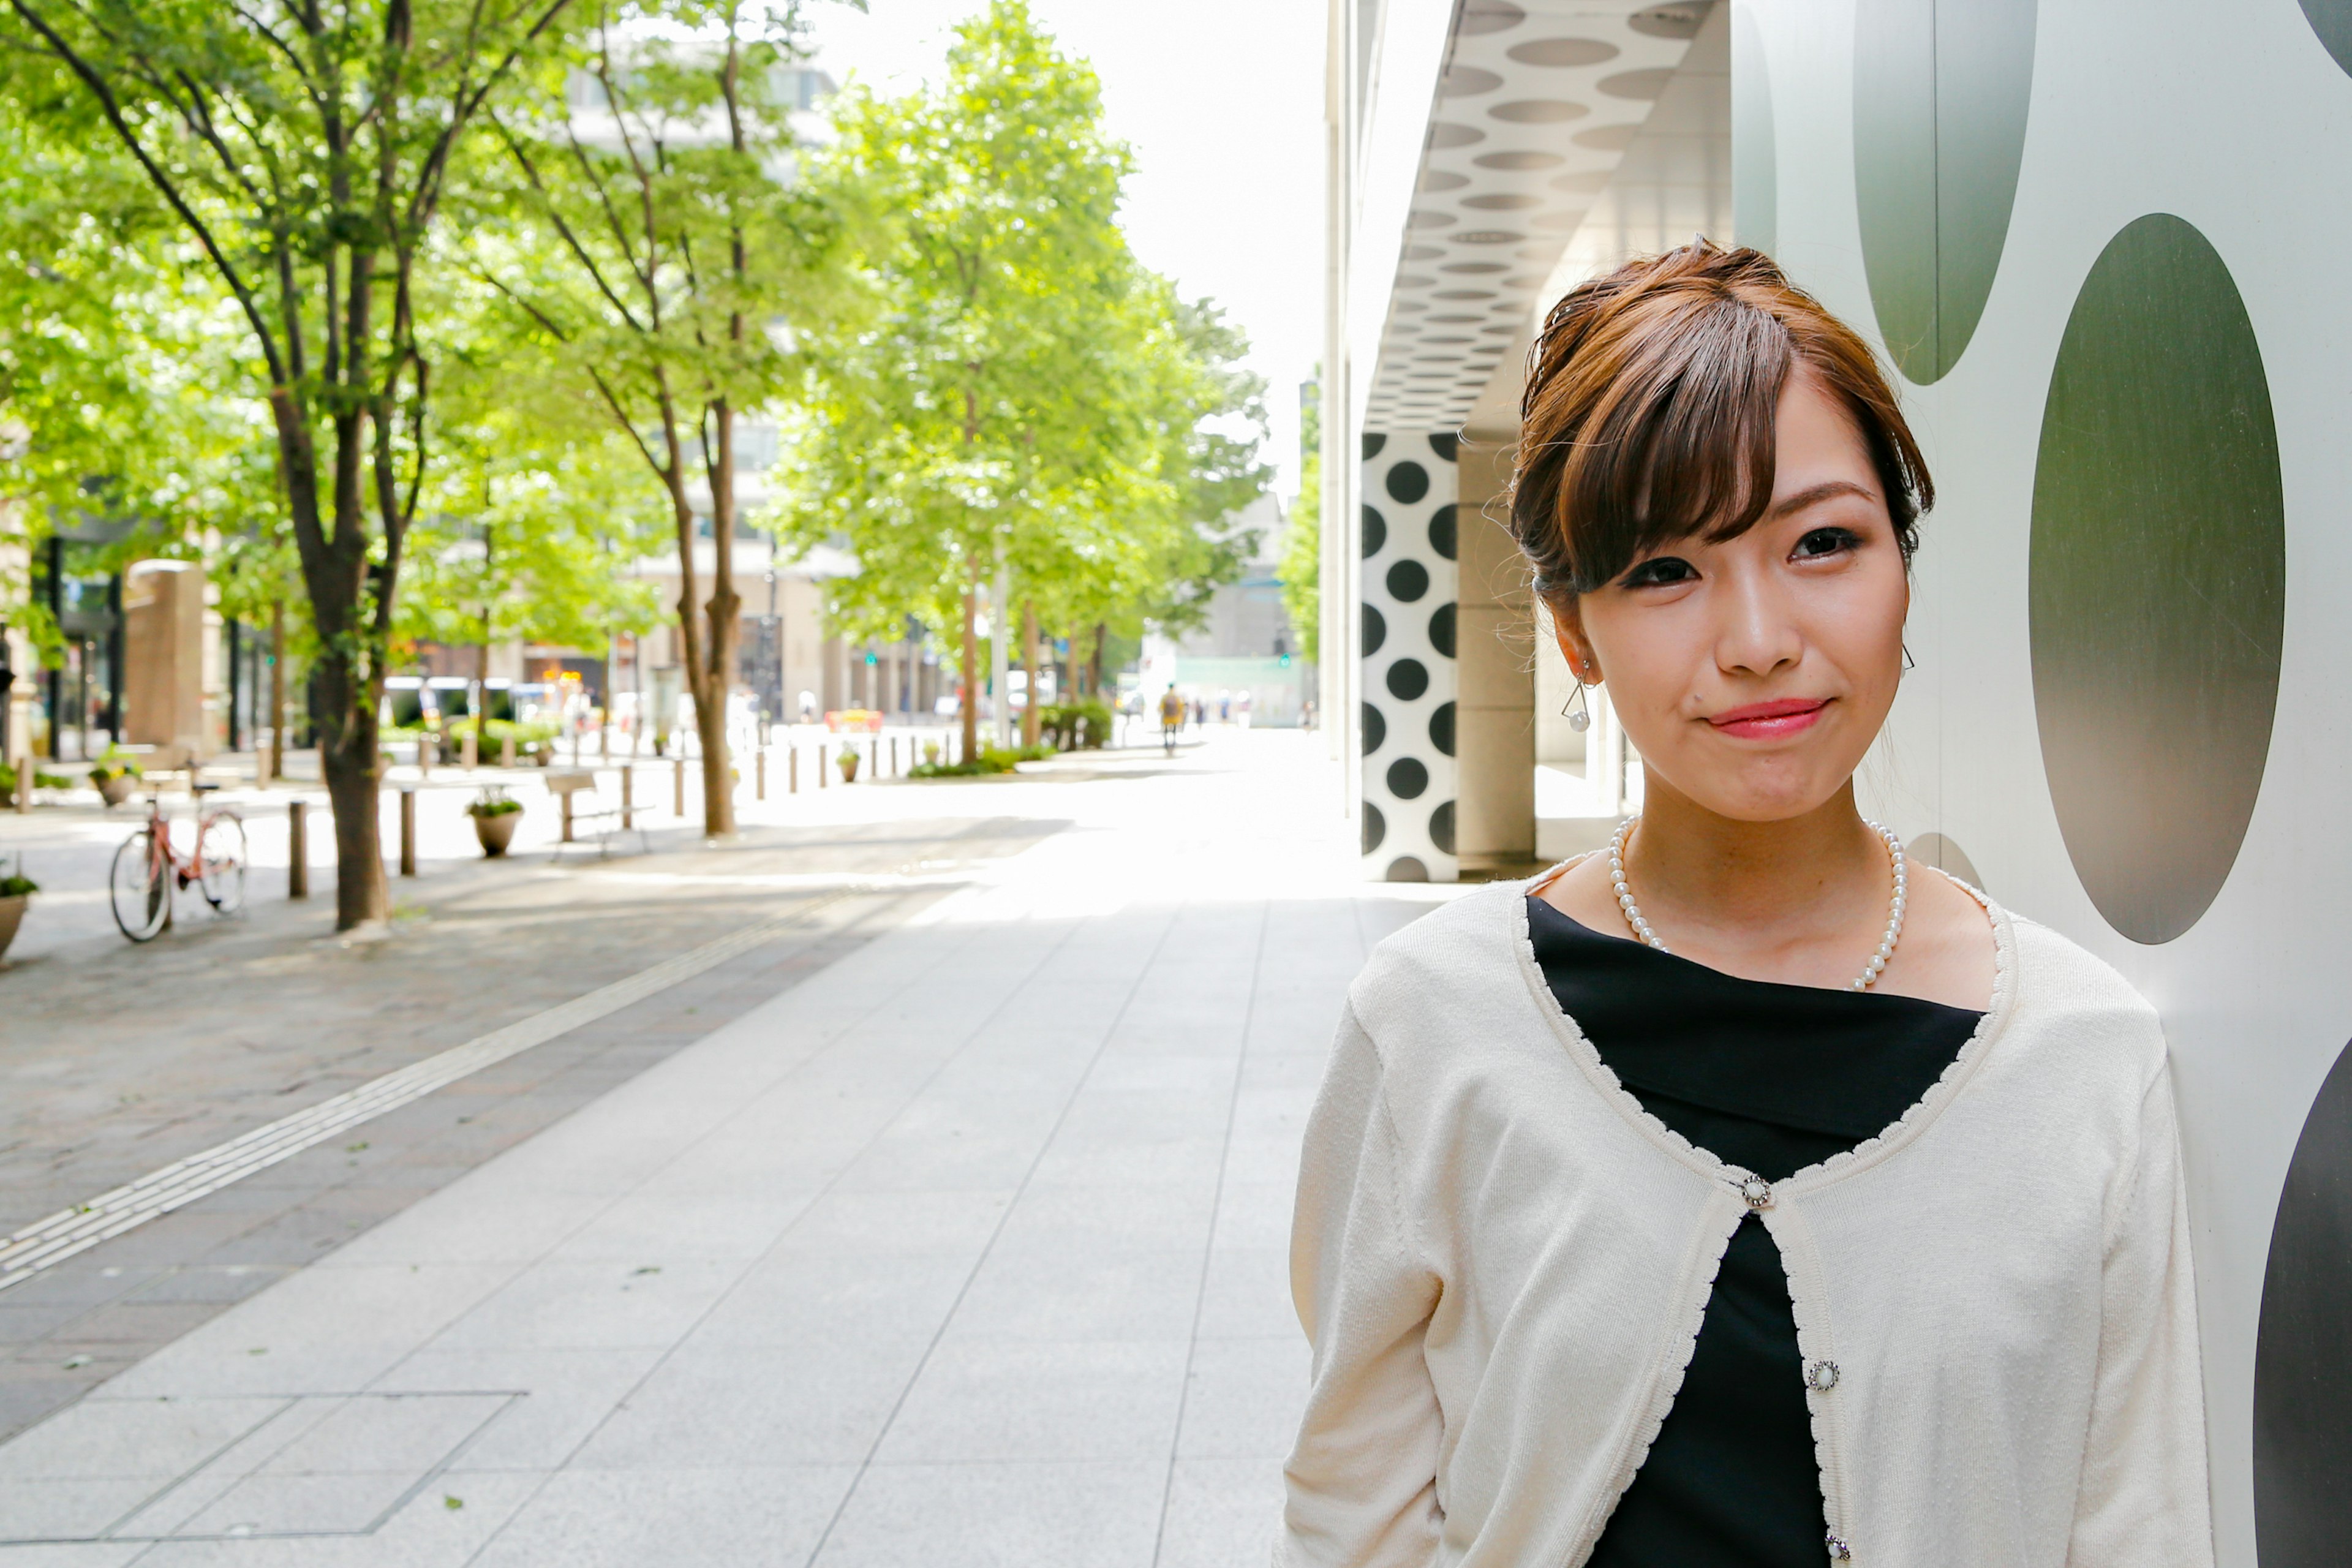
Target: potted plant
(17, 892)
(847, 762)
(113, 777)
(495, 814)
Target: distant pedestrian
(1172, 718)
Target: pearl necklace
(1869, 971)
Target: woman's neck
(1756, 887)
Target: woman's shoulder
(1459, 946)
(2064, 992)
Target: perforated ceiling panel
(1536, 107)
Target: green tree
(305, 148)
(121, 390)
(528, 533)
(672, 264)
(1021, 402)
(1301, 568)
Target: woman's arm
(2143, 1502)
(1363, 1476)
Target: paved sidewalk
(970, 1250)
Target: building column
(1406, 750)
(1494, 731)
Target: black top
(1771, 1079)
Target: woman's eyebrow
(1820, 492)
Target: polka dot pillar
(1409, 490)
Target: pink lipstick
(1770, 721)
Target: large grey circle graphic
(1940, 91)
(1935, 850)
(2303, 1378)
(2331, 20)
(2157, 589)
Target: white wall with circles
(1410, 588)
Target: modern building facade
(2118, 335)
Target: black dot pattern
(1410, 586)
(1408, 582)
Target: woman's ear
(1568, 626)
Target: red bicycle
(148, 868)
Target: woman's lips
(1770, 721)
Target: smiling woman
(1747, 1193)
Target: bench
(567, 787)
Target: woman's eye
(1660, 570)
(1822, 541)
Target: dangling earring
(1581, 719)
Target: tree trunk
(482, 697)
(724, 624)
(347, 757)
(1029, 714)
(971, 704)
(278, 690)
(1094, 661)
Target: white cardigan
(1502, 1262)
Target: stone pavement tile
(566, 1396)
(731, 1516)
(1247, 1294)
(1255, 1213)
(1100, 1217)
(1222, 1513)
(796, 1404)
(1052, 1292)
(324, 1330)
(455, 1226)
(648, 1304)
(650, 1225)
(1093, 1514)
(1242, 1397)
(956, 1220)
(140, 1323)
(76, 1555)
(22, 1324)
(425, 1533)
(220, 1284)
(68, 1507)
(844, 1300)
(31, 1390)
(990, 1400)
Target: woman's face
(1753, 674)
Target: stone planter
(496, 832)
(848, 760)
(12, 915)
(114, 791)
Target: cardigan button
(1838, 1552)
(1757, 1192)
(1820, 1376)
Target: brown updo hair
(1649, 412)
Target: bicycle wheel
(140, 887)
(220, 861)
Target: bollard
(792, 770)
(760, 773)
(506, 750)
(629, 810)
(425, 748)
(677, 794)
(298, 848)
(470, 750)
(820, 765)
(408, 832)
